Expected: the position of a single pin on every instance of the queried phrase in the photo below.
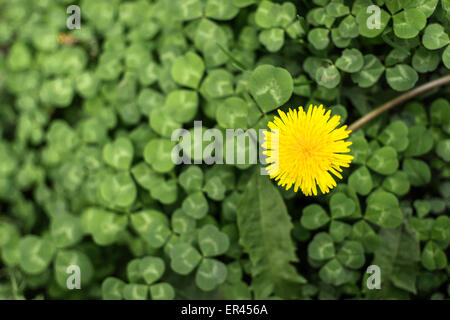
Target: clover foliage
(88, 181)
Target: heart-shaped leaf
(162, 291)
(409, 22)
(350, 61)
(210, 274)
(351, 254)
(341, 206)
(314, 217)
(151, 269)
(195, 205)
(212, 242)
(401, 77)
(35, 254)
(119, 154)
(395, 135)
(383, 209)
(321, 247)
(188, 69)
(270, 86)
(184, 258)
(435, 37)
(158, 153)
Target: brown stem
(399, 100)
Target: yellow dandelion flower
(304, 148)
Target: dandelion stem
(399, 100)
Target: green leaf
(359, 149)
(191, 179)
(187, 70)
(351, 254)
(314, 217)
(133, 273)
(446, 57)
(401, 77)
(210, 274)
(418, 172)
(118, 190)
(397, 257)
(215, 189)
(321, 247)
(261, 208)
(188, 9)
(162, 122)
(35, 254)
(112, 289)
(361, 181)
(182, 105)
(424, 60)
(397, 183)
(146, 177)
(217, 84)
(409, 22)
(443, 149)
(158, 153)
(395, 135)
(265, 13)
(333, 273)
(440, 111)
(370, 72)
(362, 232)
(66, 230)
(435, 37)
(57, 92)
(348, 27)
(104, 226)
(339, 230)
(184, 258)
(220, 10)
(422, 207)
(421, 141)
(329, 77)
(157, 234)
(350, 61)
(134, 291)
(162, 291)
(195, 205)
(151, 269)
(212, 242)
(232, 113)
(441, 229)
(270, 86)
(433, 258)
(119, 154)
(319, 38)
(383, 209)
(272, 39)
(336, 9)
(182, 223)
(145, 219)
(285, 15)
(341, 206)
(384, 161)
(396, 5)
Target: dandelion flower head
(304, 148)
